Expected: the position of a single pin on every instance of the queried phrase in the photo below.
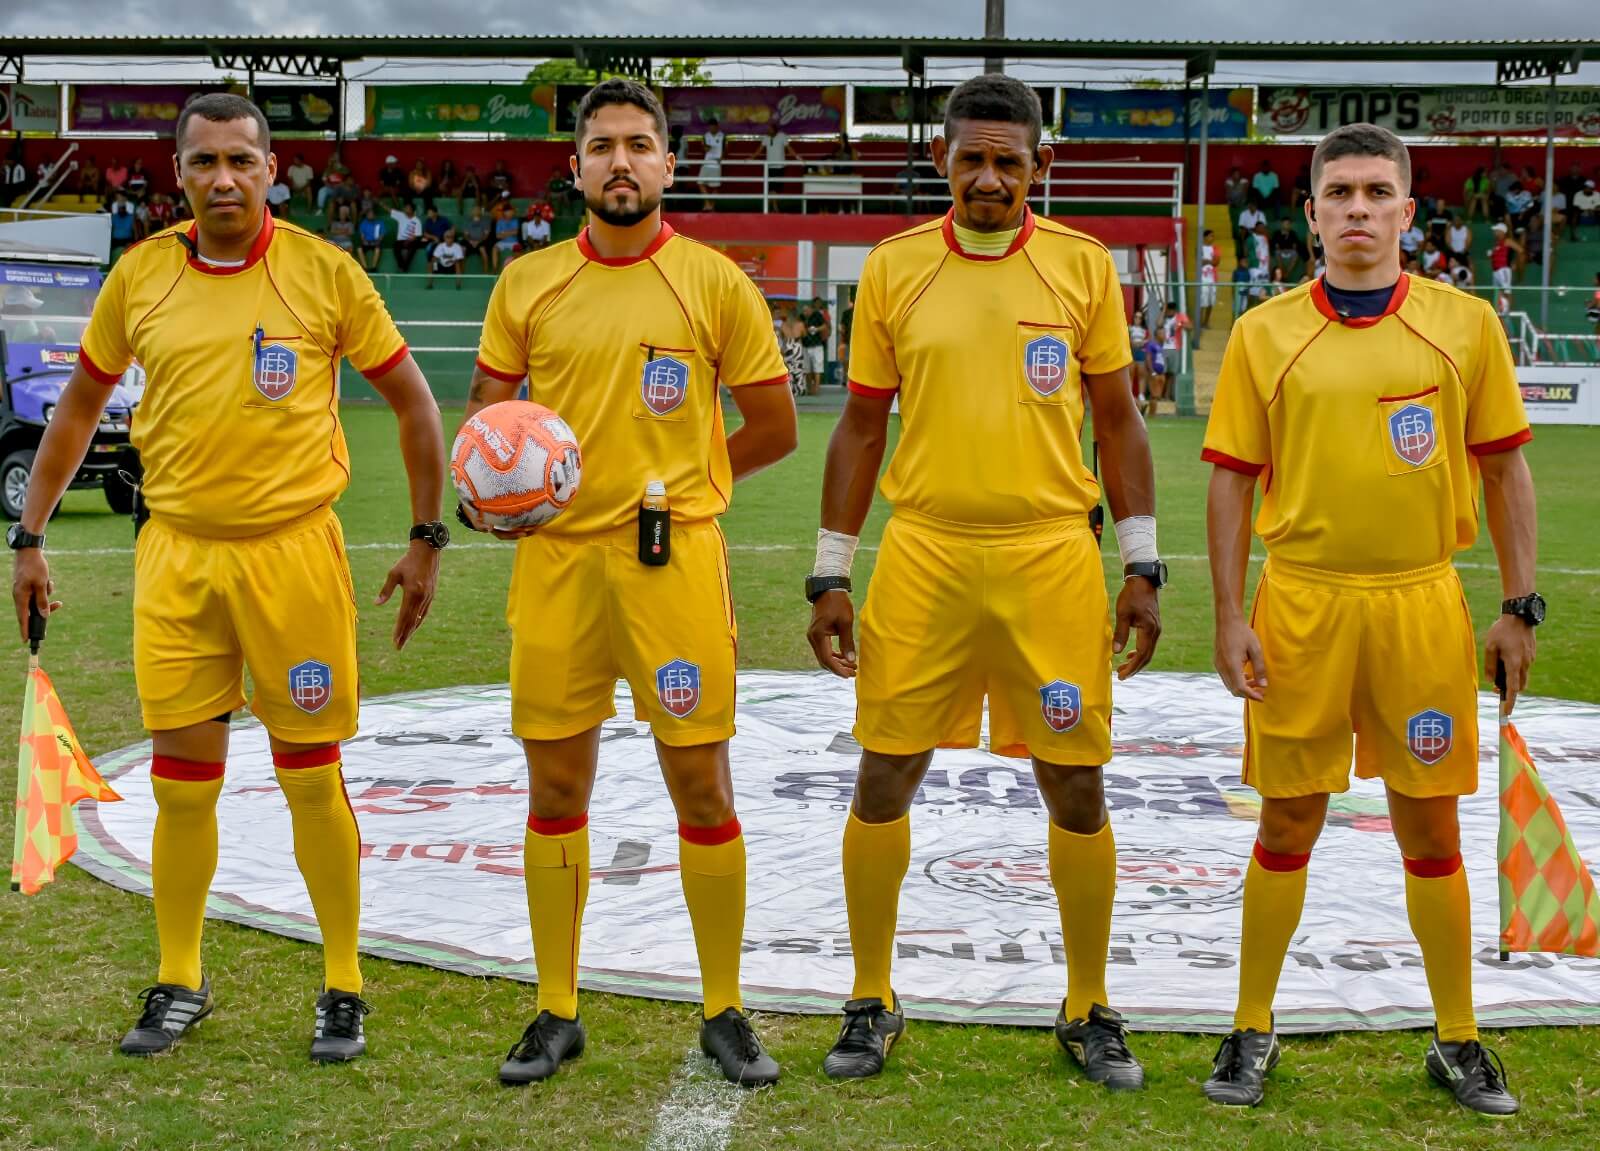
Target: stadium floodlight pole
(994, 28)
(1549, 191)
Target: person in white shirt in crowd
(1458, 239)
(278, 197)
(302, 177)
(535, 231)
(407, 235)
(1431, 258)
(779, 153)
(1411, 239)
(1586, 206)
(1208, 276)
(713, 139)
(1461, 273)
(447, 256)
(1249, 218)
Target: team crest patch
(276, 369)
(1411, 431)
(678, 687)
(1044, 364)
(664, 384)
(1430, 735)
(310, 685)
(1061, 703)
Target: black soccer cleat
(341, 1035)
(1474, 1074)
(1239, 1071)
(870, 1029)
(170, 1010)
(729, 1039)
(1099, 1045)
(548, 1042)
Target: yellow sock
(1083, 870)
(555, 867)
(183, 858)
(1441, 918)
(711, 863)
(1274, 896)
(327, 847)
(876, 856)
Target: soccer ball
(516, 465)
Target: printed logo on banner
(276, 370)
(1175, 879)
(1044, 363)
(1412, 433)
(664, 384)
(678, 687)
(310, 685)
(1061, 704)
(1429, 735)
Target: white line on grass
(698, 1114)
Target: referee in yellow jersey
(240, 322)
(629, 332)
(1368, 406)
(991, 326)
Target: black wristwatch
(1155, 571)
(816, 585)
(1529, 608)
(19, 537)
(434, 534)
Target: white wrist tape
(1136, 540)
(835, 553)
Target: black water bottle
(655, 526)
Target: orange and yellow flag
(53, 773)
(1548, 900)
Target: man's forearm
(60, 454)
(1228, 540)
(422, 449)
(1513, 513)
(855, 453)
(1130, 473)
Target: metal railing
(52, 179)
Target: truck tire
(14, 472)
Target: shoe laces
(859, 1031)
(1229, 1057)
(342, 1018)
(156, 1001)
(1474, 1056)
(1110, 1036)
(749, 1045)
(533, 1042)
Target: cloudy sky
(1208, 20)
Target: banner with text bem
(1420, 112)
(436, 109)
(802, 111)
(1152, 114)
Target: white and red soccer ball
(516, 465)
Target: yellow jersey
(1366, 432)
(630, 353)
(988, 355)
(239, 431)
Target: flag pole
(1500, 687)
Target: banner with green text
(436, 109)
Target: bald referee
(240, 322)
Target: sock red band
(711, 836)
(1280, 861)
(299, 760)
(1434, 868)
(558, 826)
(186, 770)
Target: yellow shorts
(1388, 658)
(584, 611)
(281, 603)
(954, 614)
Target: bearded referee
(1369, 407)
(990, 326)
(628, 332)
(240, 321)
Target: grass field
(74, 957)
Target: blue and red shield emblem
(678, 687)
(310, 685)
(276, 370)
(1044, 364)
(1061, 703)
(1411, 431)
(1430, 735)
(664, 384)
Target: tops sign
(1430, 111)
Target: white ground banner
(438, 784)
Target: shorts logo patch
(1411, 431)
(678, 687)
(1061, 704)
(664, 384)
(276, 370)
(1430, 735)
(310, 686)
(1044, 364)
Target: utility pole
(994, 28)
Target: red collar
(589, 252)
(257, 249)
(949, 230)
(1319, 296)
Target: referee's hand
(1138, 609)
(31, 586)
(834, 616)
(1239, 660)
(416, 575)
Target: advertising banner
(30, 108)
(436, 109)
(1151, 114)
(887, 104)
(1554, 394)
(131, 107)
(801, 111)
(1464, 111)
(299, 108)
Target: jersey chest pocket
(1045, 364)
(275, 366)
(665, 377)
(1412, 432)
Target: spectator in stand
(505, 235)
(446, 181)
(365, 198)
(116, 177)
(535, 230)
(500, 181)
(342, 228)
(1249, 220)
(1533, 247)
(1571, 184)
(1236, 191)
(434, 227)
(391, 182)
(1265, 185)
(1586, 207)
(471, 190)
(1301, 191)
(123, 222)
(302, 178)
(710, 178)
(407, 235)
(1431, 258)
(1502, 256)
(778, 154)
(1411, 239)
(1277, 284)
(420, 182)
(815, 342)
(334, 178)
(1155, 369)
(1500, 180)
(447, 256)
(1532, 181)
(371, 235)
(791, 333)
(1475, 195)
(1461, 273)
(847, 319)
(1288, 249)
(1260, 251)
(478, 236)
(88, 177)
(1519, 205)
(1458, 240)
(558, 192)
(278, 197)
(141, 220)
(1556, 207)
(1241, 286)
(1208, 276)
(138, 185)
(160, 211)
